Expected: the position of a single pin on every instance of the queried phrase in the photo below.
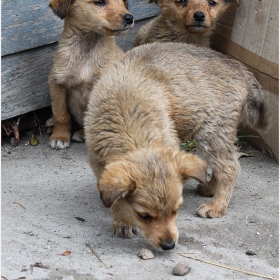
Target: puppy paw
(59, 144)
(205, 191)
(79, 136)
(211, 210)
(123, 230)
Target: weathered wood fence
(30, 32)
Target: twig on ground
(19, 204)
(40, 265)
(229, 267)
(93, 251)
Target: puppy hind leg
(123, 224)
(224, 175)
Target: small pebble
(250, 253)
(145, 254)
(181, 269)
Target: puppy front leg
(123, 224)
(60, 138)
(221, 186)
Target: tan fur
(155, 97)
(177, 22)
(86, 49)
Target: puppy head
(194, 16)
(108, 17)
(151, 184)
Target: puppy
(139, 113)
(85, 51)
(186, 21)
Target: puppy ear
(115, 182)
(191, 166)
(60, 7)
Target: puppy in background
(186, 21)
(143, 108)
(86, 49)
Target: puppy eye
(212, 3)
(175, 212)
(99, 3)
(145, 217)
(182, 2)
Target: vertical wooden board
(142, 9)
(24, 85)
(271, 40)
(256, 28)
(27, 24)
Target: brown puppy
(156, 96)
(186, 21)
(86, 50)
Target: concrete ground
(44, 191)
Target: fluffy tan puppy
(157, 96)
(86, 49)
(186, 21)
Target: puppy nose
(168, 245)
(199, 17)
(128, 19)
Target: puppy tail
(256, 114)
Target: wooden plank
(27, 24)
(24, 86)
(256, 28)
(31, 23)
(25, 76)
(142, 9)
